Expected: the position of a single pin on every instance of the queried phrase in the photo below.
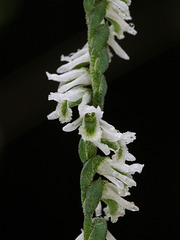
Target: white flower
(63, 110)
(116, 170)
(113, 12)
(117, 205)
(70, 90)
(119, 178)
(122, 152)
(71, 79)
(68, 76)
(121, 8)
(93, 128)
(74, 59)
(115, 46)
(119, 173)
(86, 110)
(83, 80)
(117, 12)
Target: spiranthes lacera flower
(122, 153)
(74, 59)
(120, 176)
(65, 102)
(93, 128)
(76, 77)
(117, 12)
(71, 89)
(116, 170)
(116, 205)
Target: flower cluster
(120, 179)
(75, 80)
(76, 90)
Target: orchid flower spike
(102, 148)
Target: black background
(39, 165)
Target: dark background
(39, 164)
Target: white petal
(58, 97)
(75, 94)
(66, 76)
(98, 209)
(110, 13)
(109, 236)
(75, 55)
(82, 80)
(103, 147)
(129, 157)
(71, 95)
(127, 180)
(106, 169)
(110, 133)
(128, 2)
(122, 5)
(125, 168)
(66, 67)
(117, 49)
(80, 237)
(128, 137)
(54, 115)
(110, 193)
(121, 9)
(117, 182)
(136, 167)
(72, 126)
(85, 100)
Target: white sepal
(110, 191)
(83, 80)
(68, 76)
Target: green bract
(99, 229)
(95, 18)
(86, 150)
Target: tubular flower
(117, 12)
(116, 205)
(93, 128)
(75, 59)
(73, 85)
(65, 102)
